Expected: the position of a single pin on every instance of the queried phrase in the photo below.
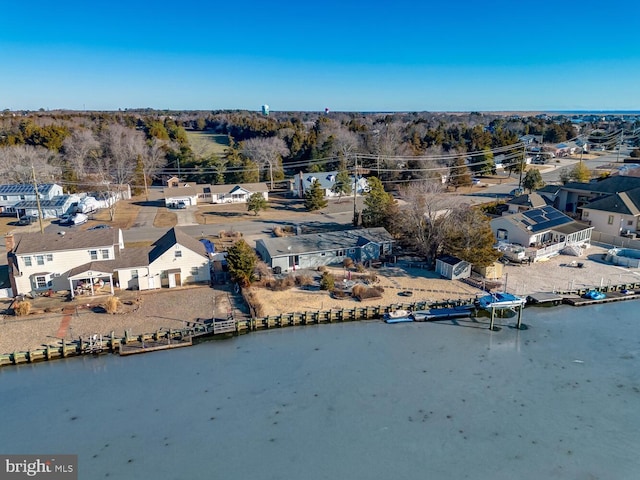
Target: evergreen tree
(459, 175)
(314, 197)
(377, 204)
(257, 202)
(342, 185)
(469, 237)
(241, 261)
(532, 180)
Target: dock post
(64, 348)
(493, 316)
(519, 325)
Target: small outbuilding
(452, 268)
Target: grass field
(204, 144)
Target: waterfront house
(543, 232)
(617, 214)
(92, 261)
(327, 248)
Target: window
(585, 214)
(93, 254)
(4, 197)
(340, 253)
(41, 282)
(105, 254)
(502, 234)
(352, 250)
(40, 259)
(194, 271)
(610, 221)
(134, 273)
(27, 261)
(22, 197)
(629, 222)
(178, 253)
(49, 257)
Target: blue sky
(344, 55)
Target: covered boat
(594, 295)
(500, 300)
(443, 313)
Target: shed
(452, 268)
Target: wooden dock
(611, 297)
(146, 346)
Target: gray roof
(249, 187)
(172, 237)
(172, 192)
(127, 258)
(626, 203)
(322, 242)
(29, 243)
(617, 183)
(532, 200)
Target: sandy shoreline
(173, 308)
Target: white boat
(399, 316)
(500, 300)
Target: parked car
(516, 192)
(181, 205)
(27, 219)
(100, 226)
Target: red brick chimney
(9, 242)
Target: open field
(205, 143)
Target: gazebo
(83, 280)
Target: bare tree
(79, 150)
(153, 160)
(122, 146)
(16, 163)
(266, 152)
(423, 215)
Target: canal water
(351, 401)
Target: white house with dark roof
(615, 214)
(233, 193)
(328, 248)
(79, 260)
(543, 232)
(186, 193)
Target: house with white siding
(186, 193)
(96, 261)
(543, 232)
(12, 194)
(232, 193)
(327, 180)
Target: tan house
(615, 214)
(95, 261)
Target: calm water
(350, 401)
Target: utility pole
(620, 145)
(522, 164)
(35, 188)
(355, 191)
